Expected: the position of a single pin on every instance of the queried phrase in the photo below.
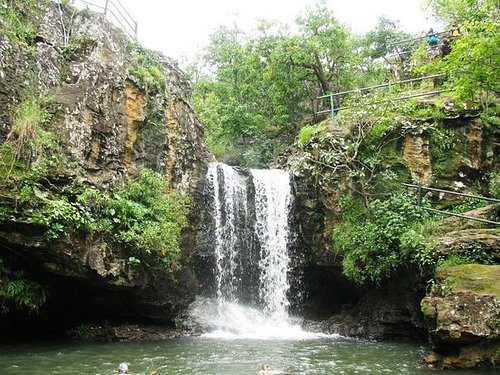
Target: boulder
(462, 315)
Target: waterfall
(230, 214)
(250, 231)
(246, 245)
(273, 200)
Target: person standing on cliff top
(432, 38)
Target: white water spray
(230, 199)
(252, 236)
(273, 201)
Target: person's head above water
(123, 368)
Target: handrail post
(333, 110)
(106, 7)
(419, 195)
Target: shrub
(369, 238)
(18, 292)
(141, 215)
(308, 131)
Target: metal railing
(333, 110)
(416, 41)
(420, 189)
(115, 12)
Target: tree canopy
(254, 92)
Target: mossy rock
(477, 278)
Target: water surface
(207, 356)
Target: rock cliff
(462, 314)
(109, 109)
(452, 149)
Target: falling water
(230, 214)
(273, 200)
(251, 231)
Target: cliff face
(106, 117)
(462, 313)
(455, 151)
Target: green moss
(478, 278)
(19, 19)
(307, 132)
(146, 68)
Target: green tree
(324, 48)
(460, 11)
(472, 64)
(251, 102)
(260, 89)
(387, 43)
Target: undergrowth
(140, 215)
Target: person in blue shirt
(432, 38)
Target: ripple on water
(203, 356)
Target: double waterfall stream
(250, 214)
(250, 265)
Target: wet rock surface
(109, 125)
(462, 315)
(125, 333)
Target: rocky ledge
(463, 317)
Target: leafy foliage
(385, 46)
(261, 88)
(471, 65)
(141, 215)
(146, 69)
(369, 238)
(19, 19)
(324, 48)
(18, 292)
(462, 10)
(386, 39)
(309, 131)
(147, 219)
